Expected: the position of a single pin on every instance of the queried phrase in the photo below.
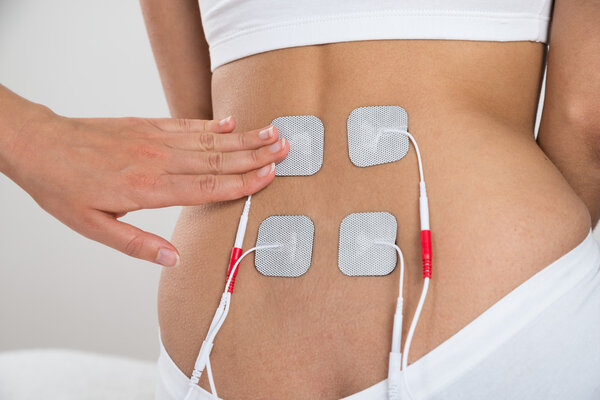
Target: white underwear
(540, 341)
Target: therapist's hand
(89, 172)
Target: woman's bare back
(500, 211)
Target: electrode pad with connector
(374, 135)
(306, 135)
(294, 234)
(360, 250)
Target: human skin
(570, 127)
(500, 209)
(88, 172)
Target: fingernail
(167, 257)
(266, 170)
(224, 121)
(275, 147)
(266, 133)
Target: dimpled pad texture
(357, 254)
(305, 134)
(295, 233)
(374, 137)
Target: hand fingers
(189, 190)
(210, 141)
(131, 240)
(184, 125)
(190, 162)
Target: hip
(551, 316)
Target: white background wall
(84, 58)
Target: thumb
(132, 241)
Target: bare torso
(500, 211)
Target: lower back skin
(500, 211)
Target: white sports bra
(240, 28)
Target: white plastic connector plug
(241, 231)
(394, 374)
(397, 329)
(423, 206)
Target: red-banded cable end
(426, 252)
(236, 253)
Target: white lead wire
(215, 326)
(411, 332)
(424, 216)
(397, 327)
(395, 365)
(211, 380)
(396, 340)
(414, 142)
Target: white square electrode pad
(305, 134)
(358, 255)
(295, 234)
(374, 135)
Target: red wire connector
(236, 252)
(426, 252)
(425, 232)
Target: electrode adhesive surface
(375, 135)
(358, 253)
(294, 234)
(306, 136)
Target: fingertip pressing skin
(248, 160)
(281, 148)
(267, 133)
(225, 125)
(267, 173)
(225, 121)
(258, 179)
(266, 170)
(258, 138)
(284, 148)
(278, 146)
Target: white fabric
(58, 374)
(539, 342)
(239, 28)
